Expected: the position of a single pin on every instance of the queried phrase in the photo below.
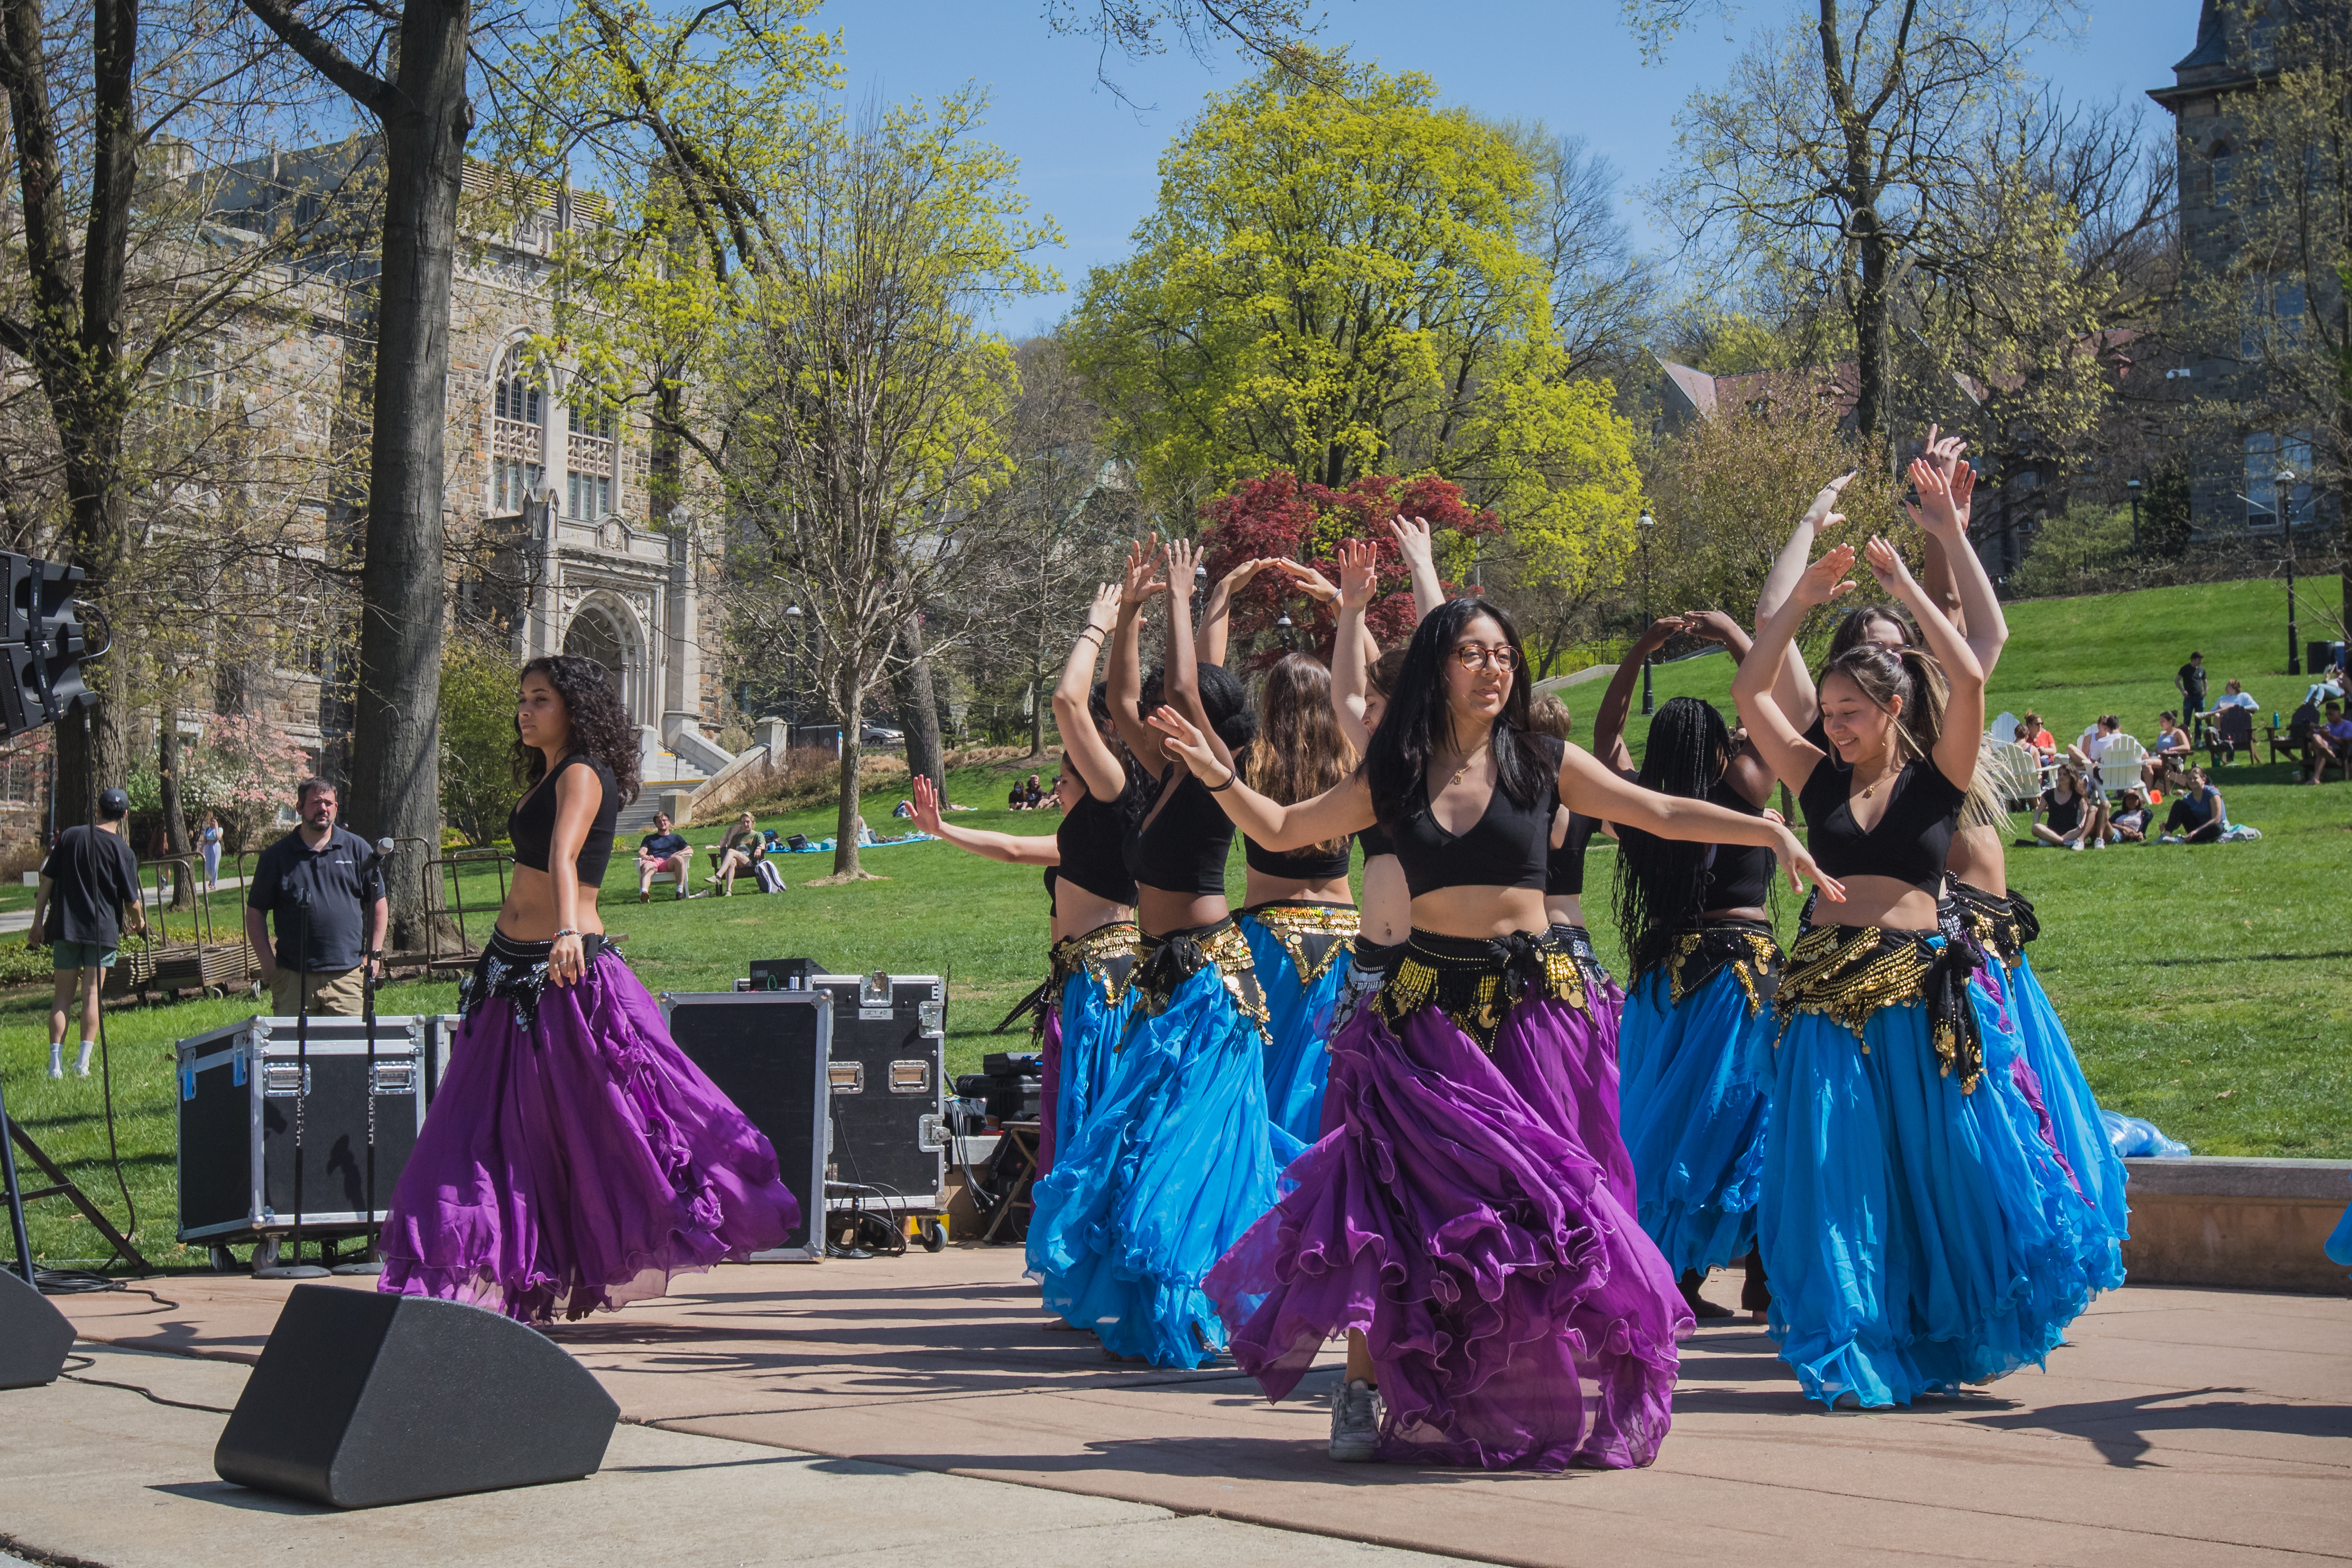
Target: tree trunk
(1037, 700)
(851, 708)
(918, 709)
(1870, 312)
(395, 788)
(176, 819)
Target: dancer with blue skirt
(1176, 1156)
(1704, 966)
(1465, 1221)
(1912, 1222)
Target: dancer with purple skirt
(1461, 1221)
(575, 1160)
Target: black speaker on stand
(361, 1399)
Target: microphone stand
(297, 1269)
(370, 1261)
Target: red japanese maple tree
(1281, 516)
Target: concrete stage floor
(2179, 1425)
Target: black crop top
(1093, 840)
(1183, 848)
(1510, 846)
(1309, 864)
(1739, 877)
(530, 829)
(1910, 842)
(1564, 866)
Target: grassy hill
(2207, 989)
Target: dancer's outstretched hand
(1359, 574)
(1182, 557)
(1712, 625)
(1143, 580)
(1798, 863)
(1103, 614)
(1936, 514)
(1824, 507)
(1826, 577)
(1190, 745)
(927, 805)
(1886, 565)
(1412, 540)
(1307, 581)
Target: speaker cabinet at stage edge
(34, 1335)
(241, 1086)
(361, 1399)
(889, 1056)
(766, 1050)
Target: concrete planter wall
(2252, 1225)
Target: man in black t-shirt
(88, 883)
(326, 895)
(660, 850)
(2192, 682)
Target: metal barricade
(450, 869)
(200, 961)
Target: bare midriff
(1161, 911)
(1385, 915)
(1977, 858)
(1265, 888)
(528, 913)
(1077, 912)
(1564, 908)
(1480, 912)
(1880, 901)
(1745, 911)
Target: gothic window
(518, 435)
(589, 454)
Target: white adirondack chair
(2003, 731)
(2119, 764)
(2015, 774)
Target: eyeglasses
(1478, 656)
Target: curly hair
(600, 727)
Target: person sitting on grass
(2172, 751)
(2070, 812)
(2331, 742)
(663, 850)
(738, 853)
(2130, 824)
(2197, 815)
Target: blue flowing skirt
(1917, 1236)
(1694, 1116)
(1298, 1029)
(1081, 1046)
(2023, 1036)
(1174, 1160)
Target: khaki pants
(331, 991)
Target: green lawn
(2207, 989)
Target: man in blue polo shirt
(330, 908)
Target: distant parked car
(881, 735)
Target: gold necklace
(1871, 788)
(1467, 761)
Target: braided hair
(1662, 883)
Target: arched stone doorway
(606, 631)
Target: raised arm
(1964, 716)
(1091, 755)
(579, 795)
(1125, 681)
(1343, 809)
(1015, 849)
(1946, 492)
(1609, 723)
(1181, 676)
(1588, 786)
(1771, 729)
(1420, 563)
(1216, 612)
(1351, 658)
(1792, 685)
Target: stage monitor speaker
(34, 1335)
(361, 1399)
(785, 973)
(766, 1052)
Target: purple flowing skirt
(578, 1163)
(1473, 1215)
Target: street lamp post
(1648, 525)
(2133, 486)
(793, 677)
(2285, 483)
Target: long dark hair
(1417, 723)
(1098, 710)
(600, 727)
(1222, 698)
(1299, 752)
(1662, 883)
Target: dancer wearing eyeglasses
(1176, 1156)
(1906, 1218)
(1461, 1221)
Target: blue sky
(1091, 161)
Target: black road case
(889, 1053)
(239, 1088)
(766, 1052)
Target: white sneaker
(1355, 1422)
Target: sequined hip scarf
(517, 972)
(2000, 926)
(1314, 935)
(1476, 980)
(1745, 947)
(1105, 955)
(1164, 963)
(1848, 972)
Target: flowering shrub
(244, 769)
(1281, 516)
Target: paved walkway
(2179, 1427)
